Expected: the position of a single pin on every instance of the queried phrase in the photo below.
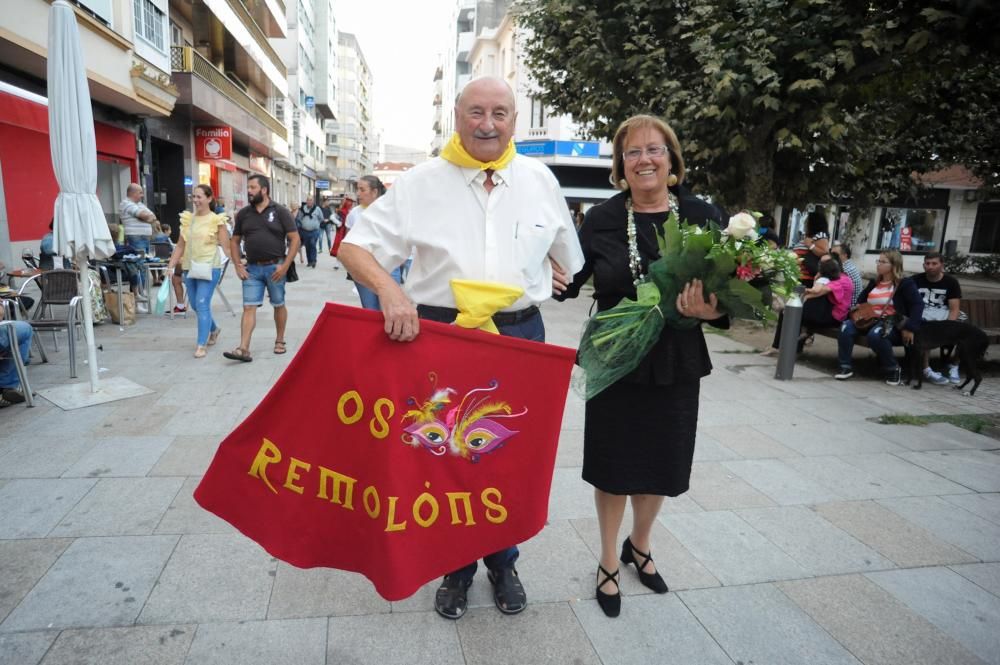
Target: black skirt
(639, 439)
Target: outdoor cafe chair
(8, 328)
(59, 288)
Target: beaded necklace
(634, 259)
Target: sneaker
(935, 377)
(953, 374)
(141, 308)
(844, 374)
(893, 377)
(180, 309)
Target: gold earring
(623, 184)
(671, 180)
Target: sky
(402, 41)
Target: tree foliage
(782, 101)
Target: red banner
(213, 143)
(400, 461)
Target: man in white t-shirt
(478, 212)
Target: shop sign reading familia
(213, 143)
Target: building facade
(127, 57)
(352, 143)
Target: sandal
(238, 353)
(649, 580)
(279, 348)
(200, 352)
(508, 593)
(611, 603)
(10, 397)
(213, 336)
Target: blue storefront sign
(322, 184)
(310, 102)
(567, 148)
(188, 181)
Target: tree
(782, 101)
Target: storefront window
(986, 233)
(910, 229)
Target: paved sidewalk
(810, 535)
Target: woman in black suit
(639, 433)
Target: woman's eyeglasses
(651, 151)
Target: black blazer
(679, 355)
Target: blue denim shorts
(259, 279)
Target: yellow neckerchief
(456, 153)
(477, 302)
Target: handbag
(864, 316)
(292, 275)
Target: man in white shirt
(478, 212)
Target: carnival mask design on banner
(469, 429)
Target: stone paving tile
(322, 592)
(376, 640)
(120, 507)
(968, 439)
(119, 456)
(149, 645)
(913, 437)
(748, 442)
(287, 642)
(556, 565)
(184, 515)
(845, 439)
(840, 410)
(851, 482)
(651, 629)
(570, 497)
(975, 469)
(986, 575)
(30, 508)
(59, 423)
(570, 451)
(96, 582)
(986, 506)
(818, 546)
(780, 482)
(732, 550)
(202, 420)
(212, 578)
(911, 479)
(542, 634)
(187, 456)
(180, 394)
(25, 648)
(22, 564)
(42, 456)
(961, 528)
(715, 487)
(955, 605)
(875, 626)
(729, 414)
(679, 567)
(707, 449)
(892, 536)
(759, 624)
(138, 416)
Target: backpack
(309, 221)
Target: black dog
(969, 341)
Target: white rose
(742, 224)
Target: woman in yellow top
(197, 251)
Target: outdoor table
(24, 274)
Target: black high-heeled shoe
(649, 580)
(611, 603)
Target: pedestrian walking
(326, 228)
(203, 237)
(264, 227)
(369, 189)
(309, 221)
(477, 189)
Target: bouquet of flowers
(741, 272)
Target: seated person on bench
(825, 305)
(942, 295)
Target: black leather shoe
(451, 600)
(611, 603)
(649, 580)
(508, 593)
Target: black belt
(269, 262)
(449, 314)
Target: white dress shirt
(458, 230)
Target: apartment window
(986, 233)
(176, 35)
(149, 23)
(537, 113)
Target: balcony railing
(258, 35)
(185, 59)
